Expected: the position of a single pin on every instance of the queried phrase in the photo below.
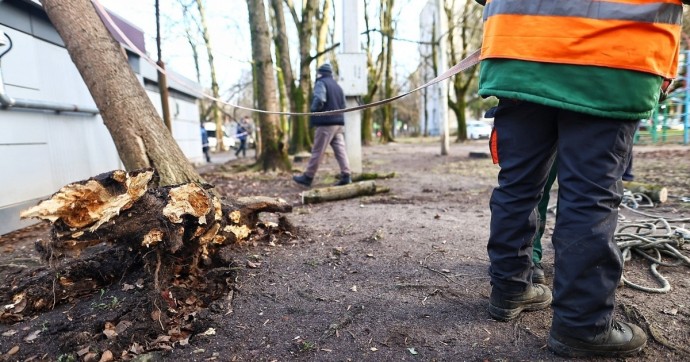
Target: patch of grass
(66, 358)
(307, 346)
(312, 263)
(107, 303)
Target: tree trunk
(374, 70)
(388, 121)
(273, 150)
(136, 128)
(162, 77)
(282, 45)
(301, 137)
(468, 34)
(215, 90)
(322, 26)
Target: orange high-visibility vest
(641, 35)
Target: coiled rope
(651, 239)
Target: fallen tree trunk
(657, 193)
(175, 231)
(334, 193)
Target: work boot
(623, 339)
(505, 306)
(538, 276)
(303, 180)
(345, 179)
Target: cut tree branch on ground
(657, 193)
(366, 176)
(334, 193)
(108, 225)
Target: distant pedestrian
(204, 143)
(241, 134)
(328, 96)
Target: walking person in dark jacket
(242, 133)
(328, 96)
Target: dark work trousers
(591, 153)
(542, 210)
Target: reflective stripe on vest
(641, 35)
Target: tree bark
(137, 130)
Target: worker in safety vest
(573, 77)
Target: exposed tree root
(114, 223)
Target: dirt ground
(393, 277)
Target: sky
(229, 29)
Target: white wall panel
(20, 65)
(41, 151)
(25, 173)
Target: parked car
(477, 130)
(228, 141)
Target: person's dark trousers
(628, 173)
(591, 153)
(542, 210)
(242, 148)
(205, 149)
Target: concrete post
(442, 86)
(353, 120)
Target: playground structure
(670, 121)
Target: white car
(478, 129)
(228, 142)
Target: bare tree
(374, 71)
(215, 90)
(464, 34)
(282, 49)
(136, 128)
(273, 151)
(162, 78)
(388, 30)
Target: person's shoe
(504, 306)
(538, 276)
(303, 180)
(623, 339)
(345, 179)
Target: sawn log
(657, 193)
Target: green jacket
(599, 91)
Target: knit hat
(325, 69)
